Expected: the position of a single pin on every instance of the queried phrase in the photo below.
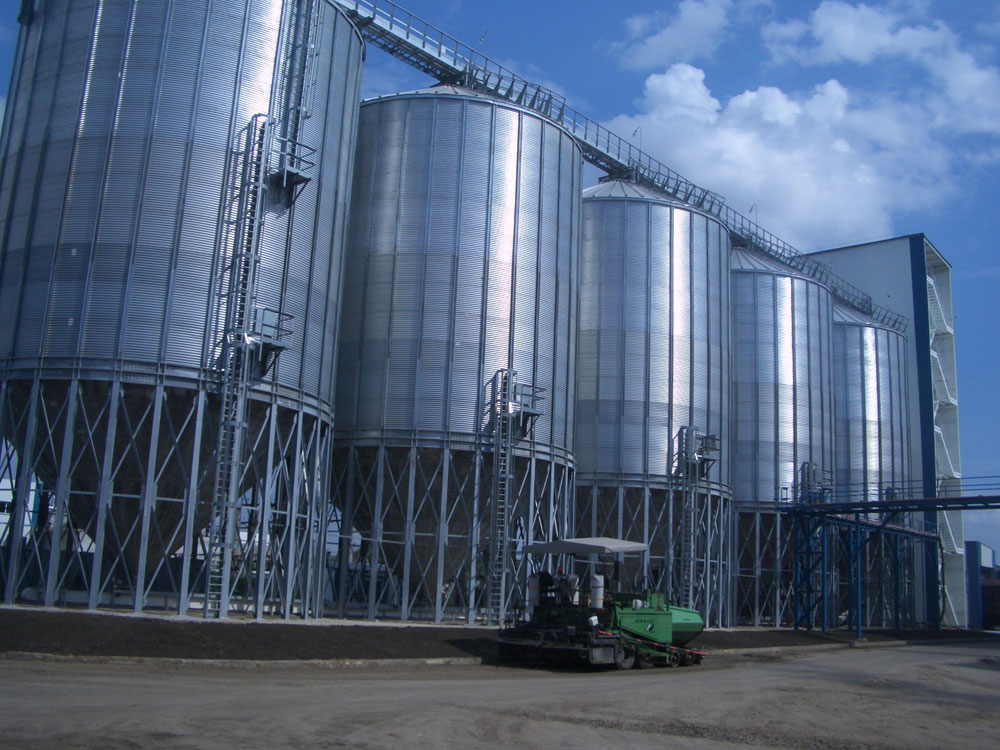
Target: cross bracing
(651, 512)
(415, 525)
(872, 547)
(105, 500)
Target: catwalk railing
(442, 56)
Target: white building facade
(908, 275)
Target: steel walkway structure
(427, 48)
(829, 536)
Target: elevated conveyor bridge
(440, 55)
(828, 534)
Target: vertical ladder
(248, 343)
(239, 277)
(686, 469)
(688, 502)
(294, 96)
(693, 460)
(503, 449)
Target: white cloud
(829, 104)
(823, 167)
(853, 33)
(766, 105)
(681, 92)
(658, 39)
(962, 94)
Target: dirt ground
(875, 698)
(92, 634)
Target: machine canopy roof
(587, 546)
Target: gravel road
(918, 696)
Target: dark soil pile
(88, 634)
(92, 634)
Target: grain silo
(870, 409)
(783, 429)
(872, 458)
(173, 204)
(460, 284)
(652, 380)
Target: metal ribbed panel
(653, 326)
(119, 123)
(461, 261)
(116, 221)
(870, 403)
(782, 378)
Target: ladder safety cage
(269, 165)
(693, 458)
(514, 407)
(237, 301)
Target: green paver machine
(564, 622)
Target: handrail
(428, 48)
(441, 55)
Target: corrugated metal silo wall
(120, 125)
(462, 259)
(461, 263)
(654, 337)
(653, 356)
(870, 402)
(782, 382)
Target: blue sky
(838, 122)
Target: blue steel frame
(812, 524)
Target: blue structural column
(925, 389)
(897, 569)
(974, 584)
(825, 579)
(857, 565)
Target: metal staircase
(268, 168)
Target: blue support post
(797, 568)
(856, 553)
(897, 569)
(825, 573)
